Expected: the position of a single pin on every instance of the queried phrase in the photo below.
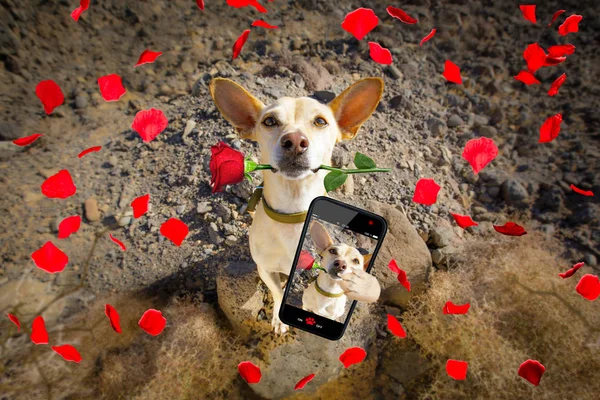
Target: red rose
(226, 166)
(305, 261)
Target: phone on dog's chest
(339, 242)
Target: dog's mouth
(294, 168)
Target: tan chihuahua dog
(295, 136)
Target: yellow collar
(294, 218)
(326, 294)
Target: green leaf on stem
(334, 180)
(248, 176)
(249, 165)
(363, 162)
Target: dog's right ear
(320, 237)
(236, 105)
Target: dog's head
(297, 135)
(337, 258)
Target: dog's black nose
(340, 264)
(295, 143)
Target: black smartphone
(337, 239)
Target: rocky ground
(419, 130)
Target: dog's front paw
(279, 327)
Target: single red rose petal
(400, 14)
(39, 334)
(50, 95)
(246, 3)
(302, 382)
(535, 57)
(552, 61)
(15, 321)
(457, 369)
(153, 322)
(263, 24)
(149, 123)
(556, 15)
(529, 13)
(464, 221)
(589, 287)
(395, 326)
(147, 57)
(428, 37)
(527, 78)
(557, 84)
(89, 150)
(532, 371)
(200, 4)
(68, 226)
(360, 22)
(581, 191)
(111, 87)
(68, 352)
(353, 355)
(249, 372)
(403, 279)
(140, 205)
(393, 266)
(174, 230)
(380, 54)
(570, 25)
(50, 258)
(426, 192)
(550, 128)
(510, 229)
(453, 309)
(452, 72)
(479, 153)
(570, 272)
(239, 43)
(117, 241)
(305, 260)
(59, 186)
(83, 5)
(113, 317)
(27, 140)
(561, 50)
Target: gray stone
(590, 259)
(394, 72)
(223, 211)
(81, 101)
(9, 131)
(214, 234)
(92, 213)
(514, 193)
(454, 121)
(436, 126)
(203, 207)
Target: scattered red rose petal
(393, 266)
(353, 355)
(557, 84)
(140, 205)
(39, 334)
(527, 78)
(302, 382)
(15, 320)
(147, 57)
(380, 54)
(570, 272)
(464, 221)
(400, 14)
(395, 326)
(50, 258)
(117, 241)
(246, 3)
(581, 191)
(263, 24)
(426, 192)
(532, 371)
(561, 50)
(510, 229)
(59, 186)
(428, 37)
(113, 317)
(111, 87)
(457, 370)
(200, 4)
(68, 352)
(68, 226)
(529, 13)
(552, 61)
(83, 5)
(556, 15)
(550, 128)
(239, 43)
(174, 230)
(149, 123)
(360, 22)
(452, 72)
(305, 260)
(479, 153)
(92, 149)
(249, 372)
(571, 24)
(402, 277)
(589, 287)
(27, 140)
(452, 309)
(535, 57)
(50, 95)
(152, 322)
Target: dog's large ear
(236, 105)
(366, 261)
(320, 237)
(356, 104)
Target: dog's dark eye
(356, 261)
(270, 121)
(320, 122)
(333, 251)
